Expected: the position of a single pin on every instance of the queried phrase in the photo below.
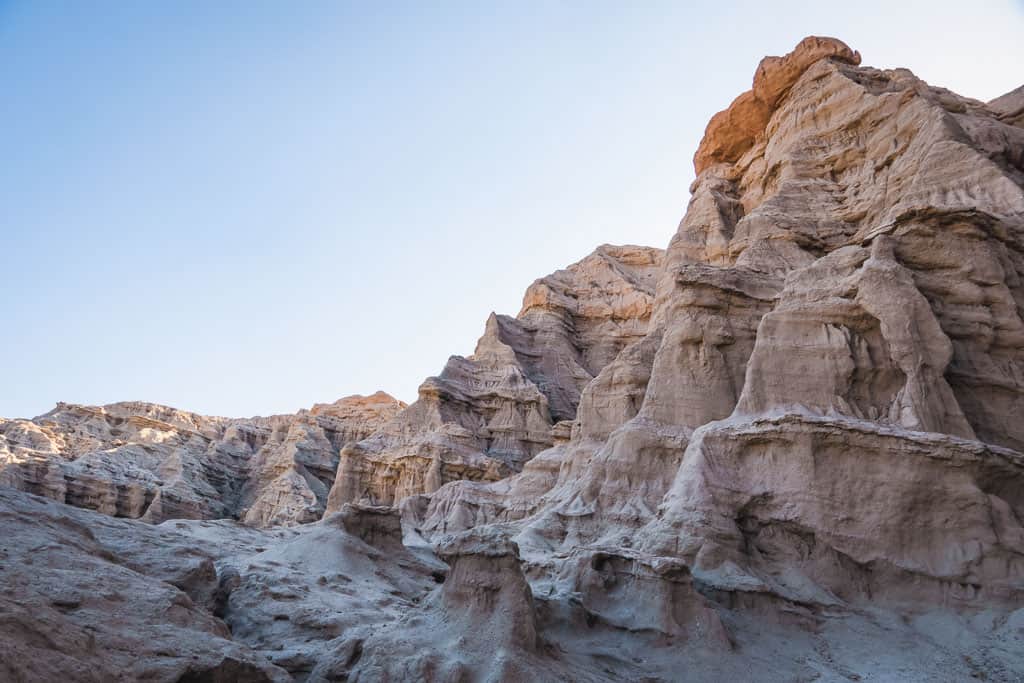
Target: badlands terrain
(788, 447)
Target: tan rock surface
(824, 410)
(1010, 107)
(787, 448)
(148, 461)
(484, 416)
(839, 511)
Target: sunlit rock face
(825, 410)
(485, 416)
(786, 448)
(152, 462)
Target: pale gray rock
(89, 598)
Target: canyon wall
(788, 447)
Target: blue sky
(245, 208)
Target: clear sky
(245, 208)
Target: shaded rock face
(148, 461)
(87, 597)
(852, 335)
(822, 510)
(485, 416)
(630, 591)
(486, 589)
(90, 598)
(787, 448)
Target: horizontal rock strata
(152, 462)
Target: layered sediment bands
(632, 591)
(485, 416)
(148, 461)
(830, 384)
(849, 154)
(852, 335)
(1010, 109)
(827, 510)
(599, 305)
(787, 448)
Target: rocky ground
(788, 447)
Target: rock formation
(787, 448)
(820, 413)
(152, 462)
(485, 416)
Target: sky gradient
(246, 208)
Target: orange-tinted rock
(733, 131)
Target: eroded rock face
(834, 511)
(852, 335)
(152, 462)
(732, 132)
(786, 448)
(485, 416)
(90, 598)
(822, 404)
(638, 592)
(486, 592)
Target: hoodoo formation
(790, 446)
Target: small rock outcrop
(486, 593)
(484, 611)
(634, 592)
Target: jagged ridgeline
(787, 447)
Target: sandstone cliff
(485, 416)
(825, 410)
(787, 448)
